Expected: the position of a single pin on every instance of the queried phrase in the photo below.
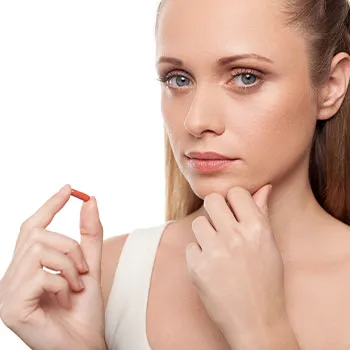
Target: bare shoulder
(341, 235)
(334, 246)
(111, 251)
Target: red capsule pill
(84, 197)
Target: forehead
(187, 27)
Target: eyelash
(240, 71)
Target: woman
(236, 265)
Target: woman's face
(258, 108)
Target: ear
(332, 93)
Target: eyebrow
(221, 62)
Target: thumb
(261, 198)
(91, 242)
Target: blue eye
(247, 79)
(179, 79)
(243, 79)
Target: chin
(202, 187)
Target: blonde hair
(180, 200)
(327, 23)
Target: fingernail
(86, 268)
(81, 284)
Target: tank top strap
(125, 317)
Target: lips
(208, 156)
(210, 165)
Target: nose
(203, 115)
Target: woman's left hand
(236, 265)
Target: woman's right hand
(51, 311)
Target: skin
(269, 126)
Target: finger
(261, 198)
(204, 232)
(243, 205)
(46, 282)
(17, 308)
(193, 254)
(45, 214)
(91, 237)
(38, 256)
(53, 240)
(219, 211)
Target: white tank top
(125, 317)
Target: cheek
(173, 112)
(283, 131)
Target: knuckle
(69, 267)
(25, 226)
(255, 229)
(216, 253)
(35, 233)
(74, 245)
(198, 270)
(36, 248)
(232, 228)
(7, 316)
(235, 243)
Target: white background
(79, 104)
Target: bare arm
(279, 337)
